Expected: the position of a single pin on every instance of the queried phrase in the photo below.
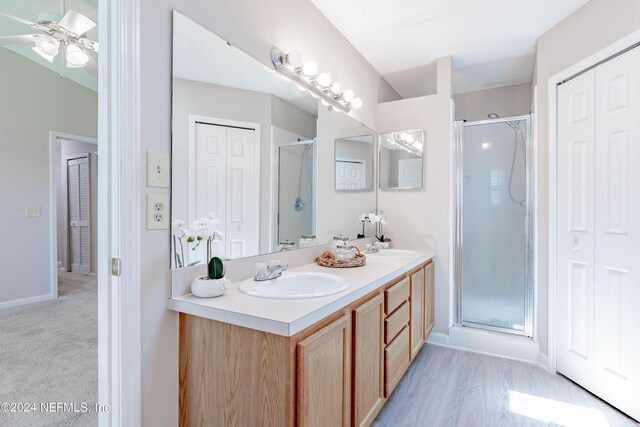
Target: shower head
(512, 125)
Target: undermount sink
(295, 286)
(395, 253)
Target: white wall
(338, 211)
(64, 149)
(593, 27)
(254, 27)
(425, 214)
(33, 102)
(506, 101)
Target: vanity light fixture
(305, 74)
(407, 141)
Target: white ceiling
(30, 9)
(200, 55)
(492, 42)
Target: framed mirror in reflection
(401, 160)
(354, 163)
(251, 155)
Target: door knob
(576, 244)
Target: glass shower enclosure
(493, 242)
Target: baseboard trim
(518, 348)
(23, 301)
(543, 361)
(439, 339)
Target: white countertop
(289, 316)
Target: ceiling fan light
(47, 45)
(76, 56)
(48, 58)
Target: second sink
(295, 286)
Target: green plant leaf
(216, 268)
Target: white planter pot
(204, 287)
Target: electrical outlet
(157, 169)
(157, 212)
(33, 211)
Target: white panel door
(243, 196)
(410, 173)
(350, 175)
(575, 302)
(617, 236)
(79, 214)
(210, 181)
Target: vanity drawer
(396, 361)
(396, 295)
(394, 323)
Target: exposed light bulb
(410, 139)
(356, 103)
(76, 57)
(309, 68)
(336, 88)
(403, 136)
(294, 59)
(348, 95)
(47, 45)
(324, 79)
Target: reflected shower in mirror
(250, 150)
(354, 163)
(402, 160)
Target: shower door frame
(529, 224)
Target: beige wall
(425, 214)
(506, 101)
(595, 26)
(33, 102)
(254, 27)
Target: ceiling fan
(67, 34)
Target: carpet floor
(49, 354)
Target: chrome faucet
(272, 271)
(373, 248)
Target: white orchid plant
(372, 218)
(204, 229)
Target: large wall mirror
(354, 163)
(255, 150)
(401, 160)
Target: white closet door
(410, 173)
(617, 236)
(243, 196)
(79, 214)
(576, 222)
(350, 175)
(211, 181)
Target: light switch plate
(157, 212)
(33, 211)
(158, 169)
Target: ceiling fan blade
(92, 66)
(76, 22)
(17, 18)
(9, 40)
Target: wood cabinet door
(417, 322)
(368, 361)
(429, 313)
(324, 376)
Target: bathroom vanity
(324, 361)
